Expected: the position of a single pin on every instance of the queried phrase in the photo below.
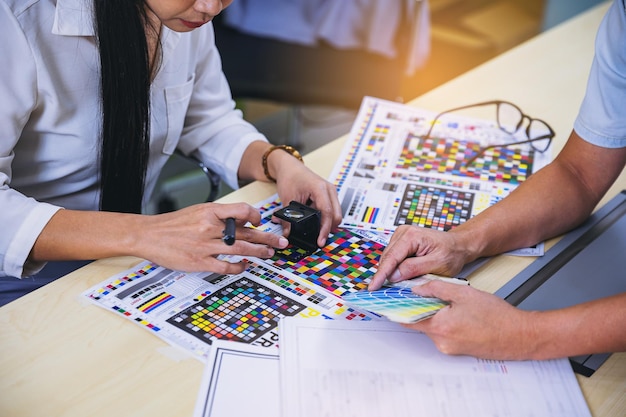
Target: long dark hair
(125, 88)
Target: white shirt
(50, 117)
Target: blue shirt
(602, 116)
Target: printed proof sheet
(189, 310)
(389, 174)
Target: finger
(443, 290)
(423, 326)
(413, 266)
(325, 228)
(241, 212)
(328, 205)
(286, 227)
(227, 268)
(255, 236)
(386, 267)
(337, 213)
(393, 255)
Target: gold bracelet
(289, 149)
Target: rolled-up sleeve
(601, 118)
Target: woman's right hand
(190, 239)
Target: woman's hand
(190, 239)
(296, 182)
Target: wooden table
(61, 356)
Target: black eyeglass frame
(523, 117)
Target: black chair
(180, 166)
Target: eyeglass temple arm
(483, 103)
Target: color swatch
(345, 264)
(398, 304)
(122, 281)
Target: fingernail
(283, 242)
(395, 277)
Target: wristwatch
(289, 149)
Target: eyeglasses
(510, 119)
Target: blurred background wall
(305, 91)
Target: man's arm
(552, 201)
(480, 324)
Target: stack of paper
(377, 368)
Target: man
(551, 202)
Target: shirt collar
(73, 18)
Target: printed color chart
(329, 306)
(193, 309)
(242, 311)
(344, 265)
(388, 157)
(434, 208)
(448, 156)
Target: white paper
(239, 380)
(340, 368)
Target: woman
(97, 94)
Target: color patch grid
(344, 265)
(434, 208)
(333, 307)
(505, 164)
(396, 303)
(242, 311)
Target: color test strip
(120, 282)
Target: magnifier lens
(293, 214)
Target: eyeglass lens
(540, 131)
(510, 119)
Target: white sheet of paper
(344, 368)
(239, 380)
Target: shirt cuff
(16, 258)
